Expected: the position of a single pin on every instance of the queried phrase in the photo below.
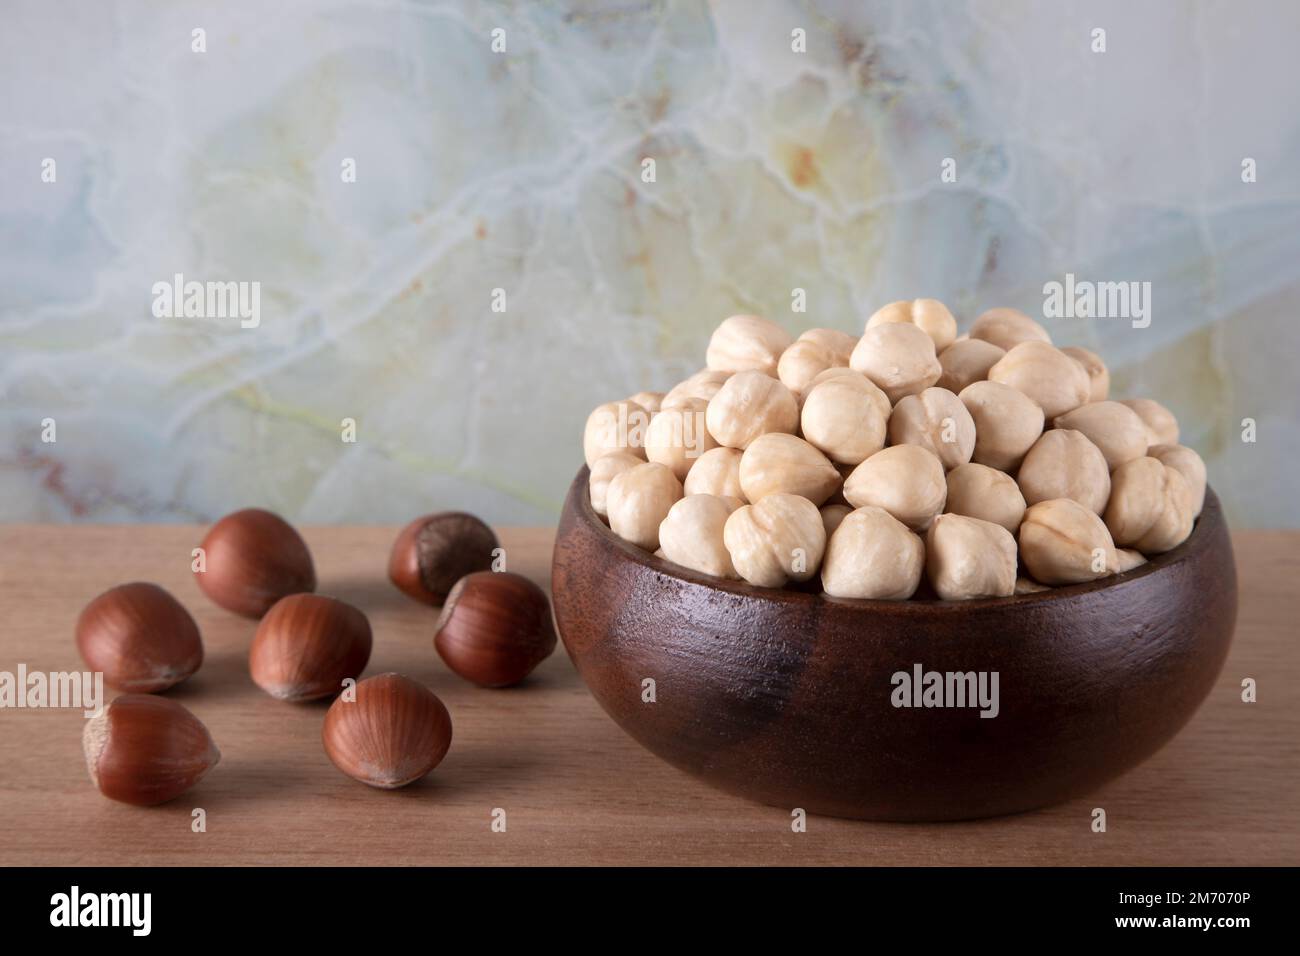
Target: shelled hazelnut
(1098, 374)
(978, 491)
(899, 358)
(606, 468)
(435, 551)
(650, 401)
(251, 559)
(716, 472)
(703, 384)
(747, 343)
(969, 558)
(638, 501)
(678, 436)
(140, 637)
(937, 421)
(778, 539)
(750, 404)
(1064, 464)
(1187, 463)
(1007, 423)
(1056, 382)
(1151, 507)
(871, 554)
(905, 480)
(811, 354)
(845, 417)
(1114, 428)
(615, 426)
(967, 361)
(929, 315)
(1062, 542)
(783, 463)
(691, 534)
(1162, 426)
(1007, 328)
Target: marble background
(521, 171)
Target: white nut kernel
(638, 501)
(845, 417)
(1098, 374)
(1162, 426)
(1064, 464)
(899, 358)
(905, 480)
(1007, 423)
(716, 472)
(1062, 542)
(929, 315)
(1007, 328)
(1056, 382)
(778, 539)
(873, 555)
(603, 472)
(1151, 506)
(750, 404)
(678, 436)
(1112, 427)
(978, 491)
(691, 534)
(936, 420)
(747, 343)
(780, 463)
(967, 361)
(966, 558)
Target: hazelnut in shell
(147, 750)
(392, 734)
(307, 645)
(495, 628)
(252, 559)
(435, 551)
(140, 637)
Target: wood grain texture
(575, 788)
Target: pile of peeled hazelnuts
(909, 461)
(386, 731)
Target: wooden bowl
(785, 697)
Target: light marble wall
(478, 170)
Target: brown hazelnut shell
(495, 627)
(394, 733)
(140, 637)
(435, 551)
(147, 750)
(306, 645)
(254, 558)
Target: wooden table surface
(574, 788)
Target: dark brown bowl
(785, 697)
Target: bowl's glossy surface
(787, 697)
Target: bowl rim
(1211, 517)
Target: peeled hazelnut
(678, 436)
(899, 358)
(392, 734)
(844, 417)
(1151, 506)
(1007, 328)
(307, 645)
(1162, 427)
(839, 371)
(802, 362)
(1098, 374)
(872, 555)
(716, 472)
(775, 540)
(1112, 427)
(1187, 463)
(832, 515)
(691, 535)
(1062, 542)
(929, 315)
(495, 628)
(839, 344)
(615, 426)
(703, 384)
(750, 404)
(1046, 374)
(978, 491)
(967, 558)
(435, 551)
(602, 473)
(1007, 423)
(251, 559)
(1064, 464)
(747, 343)
(1129, 559)
(937, 421)
(905, 480)
(140, 637)
(967, 361)
(147, 750)
(638, 501)
(650, 401)
(783, 463)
